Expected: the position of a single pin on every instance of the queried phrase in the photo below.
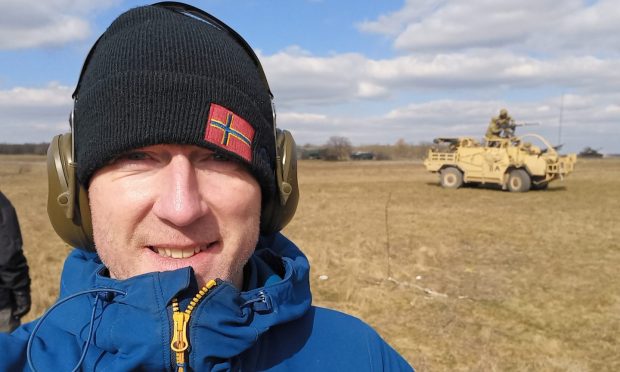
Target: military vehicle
(589, 152)
(363, 155)
(512, 163)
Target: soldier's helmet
(503, 113)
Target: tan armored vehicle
(512, 163)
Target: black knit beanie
(158, 76)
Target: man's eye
(219, 162)
(133, 156)
(137, 155)
(220, 157)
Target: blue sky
(374, 71)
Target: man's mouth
(179, 252)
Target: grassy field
(456, 280)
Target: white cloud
(299, 77)
(452, 94)
(301, 117)
(303, 79)
(370, 90)
(544, 26)
(53, 95)
(36, 23)
(392, 24)
(458, 63)
(35, 114)
(586, 120)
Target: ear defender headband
(67, 203)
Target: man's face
(164, 207)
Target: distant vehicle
(512, 163)
(362, 155)
(589, 152)
(312, 154)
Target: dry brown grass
(480, 279)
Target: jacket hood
(133, 317)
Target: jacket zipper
(180, 319)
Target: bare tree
(401, 148)
(338, 148)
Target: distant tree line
(24, 148)
(340, 148)
(336, 148)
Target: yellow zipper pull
(180, 320)
(179, 337)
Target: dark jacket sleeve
(14, 277)
(13, 346)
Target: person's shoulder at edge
(381, 356)
(329, 340)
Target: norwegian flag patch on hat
(229, 131)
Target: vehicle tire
(519, 181)
(451, 178)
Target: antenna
(560, 119)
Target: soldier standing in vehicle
(502, 123)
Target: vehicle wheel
(451, 178)
(519, 181)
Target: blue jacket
(271, 326)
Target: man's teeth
(177, 252)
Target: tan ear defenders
(281, 209)
(69, 212)
(67, 201)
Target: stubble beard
(228, 268)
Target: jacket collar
(139, 322)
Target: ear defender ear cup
(67, 201)
(280, 211)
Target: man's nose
(179, 199)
